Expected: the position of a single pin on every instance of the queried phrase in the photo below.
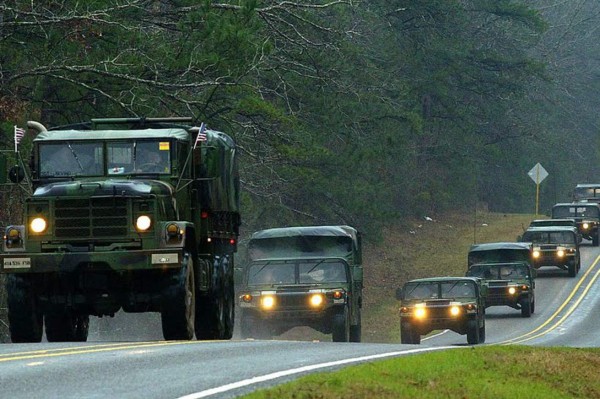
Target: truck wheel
(482, 333)
(526, 307)
(408, 335)
(341, 326)
(533, 306)
(67, 326)
(179, 304)
(24, 316)
(215, 313)
(572, 269)
(595, 240)
(251, 327)
(355, 330)
(473, 332)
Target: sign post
(537, 174)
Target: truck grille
(88, 218)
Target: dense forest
(344, 111)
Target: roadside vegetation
(475, 372)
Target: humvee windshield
(87, 158)
(499, 255)
(498, 272)
(587, 192)
(297, 272)
(559, 212)
(550, 237)
(439, 290)
(300, 246)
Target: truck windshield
(68, 159)
(550, 237)
(127, 157)
(575, 212)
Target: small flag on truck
(19, 134)
(201, 134)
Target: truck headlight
(586, 226)
(560, 253)
(38, 225)
(316, 300)
(420, 312)
(512, 290)
(536, 254)
(454, 310)
(143, 223)
(267, 302)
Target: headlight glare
(316, 300)
(267, 302)
(38, 225)
(560, 253)
(454, 310)
(143, 223)
(512, 290)
(536, 254)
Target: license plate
(17, 263)
(164, 258)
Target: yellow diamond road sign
(538, 173)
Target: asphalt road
(566, 315)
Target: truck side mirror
(399, 294)
(16, 174)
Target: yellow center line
(523, 338)
(88, 349)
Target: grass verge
(482, 372)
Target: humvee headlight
(512, 290)
(38, 225)
(586, 225)
(316, 300)
(338, 294)
(267, 302)
(536, 254)
(143, 223)
(560, 253)
(420, 312)
(404, 309)
(247, 298)
(454, 310)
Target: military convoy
(303, 276)
(101, 234)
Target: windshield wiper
(75, 156)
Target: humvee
(320, 263)
(586, 214)
(454, 303)
(495, 252)
(508, 284)
(555, 246)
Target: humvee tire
(595, 240)
(355, 330)
(482, 333)
(572, 269)
(179, 306)
(408, 335)
(24, 317)
(341, 326)
(473, 332)
(526, 308)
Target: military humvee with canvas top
(303, 276)
(454, 303)
(586, 214)
(508, 284)
(555, 246)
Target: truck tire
(482, 333)
(251, 327)
(526, 307)
(67, 326)
(572, 269)
(408, 335)
(473, 332)
(340, 331)
(215, 313)
(24, 316)
(179, 304)
(355, 330)
(595, 240)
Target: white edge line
(284, 373)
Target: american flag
(201, 134)
(19, 134)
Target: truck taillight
(204, 215)
(232, 241)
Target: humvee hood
(104, 187)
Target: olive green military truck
(555, 246)
(303, 276)
(586, 215)
(508, 284)
(439, 303)
(103, 230)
